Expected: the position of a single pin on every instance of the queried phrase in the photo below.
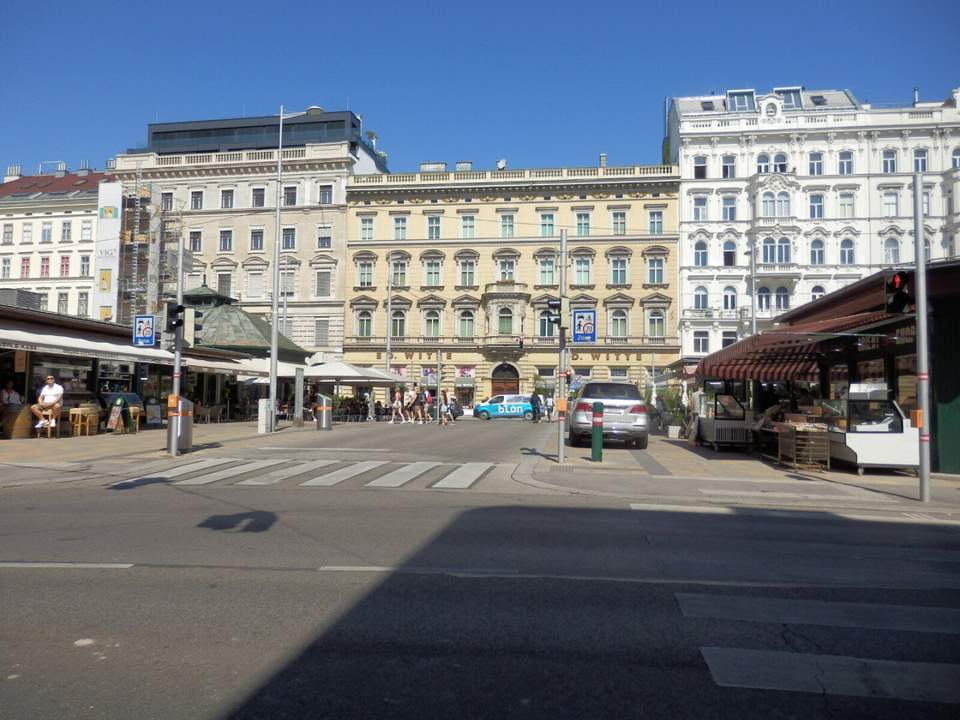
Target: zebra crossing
(377, 474)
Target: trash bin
(264, 421)
(324, 413)
(180, 423)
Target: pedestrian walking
(535, 407)
(396, 407)
(549, 406)
(419, 400)
(446, 416)
(408, 399)
(661, 411)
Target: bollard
(324, 413)
(596, 439)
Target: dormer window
(792, 100)
(707, 105)
(741, 101)
(818, 100)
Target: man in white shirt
(49, 398)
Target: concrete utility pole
(173, 439)
(561, 403)
(923, 365)
(753, 285)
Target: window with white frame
(701, 341)
(582, 271)
(324, 237)
(468, 226)
(845, 205)
(815, 164)
(400, 228)
(26, 233)
(256, 284)
(365, 273)
(783, 204)
(64, 266)
(25, 267)
(763, 164)
(780, 163)
(546, 270)
(546, 224)
(728, 166)
(700, 167)
(700, 208)
(506, 225)
(891, 251)
(290, 195)
(224, 284)
(727, 338)
(816, 207)
(700, 254)
(324, 282)
(701, 298)
(656, 323)
(226, 199)
(326, 195)
(956, 158)
(44, 301)
(817, 255)
(256, 240)
(466, 328)
(783, 250)
(728, 204)
(845, 162)
(655, 222)
(506, 269)
(468, 272)
(84, 266)
(431, 323)
(583, 224)
(768, 206)
(433, 227)
(66, 231)
(398, 272)
(46, 232)
(925, 203)
(920, 160)
(545, 325)
(729, 298)
(196, 199)
(618, 324)
(432, 269)
(8, 234)
(891, 203)
(729, 253)
(166, 201)
(226, 241)
(763, 298)
(289, 239)
(769, 250)
(847, 252)
(619, 222)
(366, 228)
(505, 321)
(365, 323)
(783, 298)
(196, 241)
(889, 161)
(5, 265)
(63, 300)
(655, 270)
(86, 230)
(618, 270)
(258, 197)
(83, 304)
(288, 283)
(817, 292)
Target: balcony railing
(325, 150)
(535, 174)
(503, 341)
(778, 269)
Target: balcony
(540, 174)
(148, 161)
(778, 269)
(504, 342)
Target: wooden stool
(50, 417)
(82, 419)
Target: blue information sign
(584, 326)
(144, 327)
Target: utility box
(263, 416)
(180, 424)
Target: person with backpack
(535, 407)
(419, 400)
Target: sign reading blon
(108, 249)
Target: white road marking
(403, 475)
(77, 565)
(288, 472)
(243, 469)
(323, 449)
(833, 674)
(792, 514)
(697, 509)
(819, 612)
(338, 476)
(793, 496)
(463, 477)
(177, 471)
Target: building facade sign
(107, 258)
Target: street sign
(144, 327)
(584, 326)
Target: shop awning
(212, 366)
(261, 366)
(16, 335)
(791, 352)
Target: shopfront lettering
(618, 356)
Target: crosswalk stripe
(819, 612)
(833, 674)
(338, 476)
(873, 497)
(463, 477)
(229, 472)
(403, 475)
(177, 471)
(276, 476)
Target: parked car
(504, 406)
(625, 415)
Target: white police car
(504, 406)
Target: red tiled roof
(51, 183)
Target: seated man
(49, 398)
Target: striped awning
(785, 353)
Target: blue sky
(538, 83)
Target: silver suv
(624, 413)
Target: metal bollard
(596, 439)
(324, 413)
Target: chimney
(916, 96)
(84, 164)
(61, 169)
(13, 173)
(956, 97)
(603, 160)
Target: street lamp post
(387, 352)
(275, 304)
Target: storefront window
(906, 366)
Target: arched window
(618, 323)
(769, 250)
(700, 167)
(763, 163)
(729, 298)
(769, 208)
(467, 325)
(956, 157)
(431, 324)
(398, 324)
(783, 250)
(817, 292)
(700, 298)
(891, 251)
(545, 324)
(763, 298)
(729, 253)
(783, 298)
(847, 255)
(817, 253)
(505, 321)
(655, 323)
(780, 163)
(700, 254)
(364, 323)
(783, 204)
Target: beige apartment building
(458, 268)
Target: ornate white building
(818, 182)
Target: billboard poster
(584, 326)
(107, 256)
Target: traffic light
(192, 326)
(897, 293)
(174, 316)
(554, 307)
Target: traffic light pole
(177, 350)
(923, 367)
(561, 403)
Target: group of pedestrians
(540, 406)
(413, 406)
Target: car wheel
(528, 415)
(641, 443)
(483, 415)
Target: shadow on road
(255, 521)
(142, 482)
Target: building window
(196, 241)
(466, 327)
(700, 167)
(618, 271)
(290, 195)
(44, 267)
(321, 331)
(845, 205)
(618, 323)
(468, 226)
(763, 164)
(619, 222)
(655, 270)
(700, 209)
(44, 301)
(4, 268)
(701, 298)
(366, 228)
(817, 253)
(365, 323)
(505, 321)
(919, 160)
(728, 166)
(783, 204)
(582, 271)
(506, 225)
(656, 324)
(8, 234)
(763, 298)
(816, 163)
(64, 266)
(258, 197)
(847, 256)
(956, 158)
(46, 232)
(324, 238)
(783, 298)
(546, 224)
(729, 298)
(889, 161)
(84, 266)
(256, 240)
(546, 267)
(365, 273)
(27, 233)
(780, 163)
(768, 205)
(289, 239)
(783, 250)
(226, 240)
(399, 228)
(845, 162)
(468, 270)
(399, 273)
(728, 337)
(255, 285)
(891, 204)
(583, 224)
(83, 304)
(891, 251)
(223, 283)
(506, 268)
(432, 269)
(925, 204)
(226, 199)
(701, 341)
(729, 253)
(433, 227)
(196, 200)
(700, 254)
(25, 267)
(66, 231)
(326, 194)
(816, 207)
(769, 251)
(288, 283)
(323, 283)
(166, 201)
(729, 205)
(431, 324)
(63, 300)
(545, 323)
(817, 292)
(655, 224)
(86, 230)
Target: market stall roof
(784, 353)
(35, 337)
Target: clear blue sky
(538, 83)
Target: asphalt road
(165, 600)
